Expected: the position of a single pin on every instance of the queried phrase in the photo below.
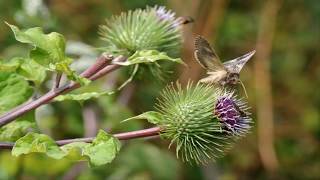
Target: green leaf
(37, 143)
(18, 128)
(148, 56)
(152, 117)
(72, 75)
(102, 150)
(82, 96)
(49, 51)
(75, 150)
(51, 47)
(10, 66)
(14, 90)
(25, 67)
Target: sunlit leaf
(152, 117)
(75, 150)
(37, 143)
(25, 67)
(14, 90)
(18, 128)
(49, 50)
(102, 150)
(148, 56)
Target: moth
(226, 73)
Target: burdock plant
(201, 121)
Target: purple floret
(231, 114)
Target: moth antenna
(244, 88)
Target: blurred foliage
(295, 68)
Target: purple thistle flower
(232, 114)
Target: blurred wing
(206, 56)
(214, 77)
(235, 65)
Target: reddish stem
(89, 73)
(121, 136)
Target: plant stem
(57, 81)
(121, 136)
(94, 72)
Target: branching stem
(99, 69)
(121, 136)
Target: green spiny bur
(189, 121)
(142, 30)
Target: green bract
(49, 50)
(102, 150)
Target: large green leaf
(152, 117)
(102, 150)
(148, 56)
(49, 50)
(14, 90)
(25, 67)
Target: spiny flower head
(190, 120)
(150, 29)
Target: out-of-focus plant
(201, 120)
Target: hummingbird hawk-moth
(226, 73)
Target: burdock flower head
(145, 37)
(202, 121)
(150, 29)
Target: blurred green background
(282, 81)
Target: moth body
(219, 73)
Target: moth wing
(235, 65)
(206, 56)
(214, 77)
